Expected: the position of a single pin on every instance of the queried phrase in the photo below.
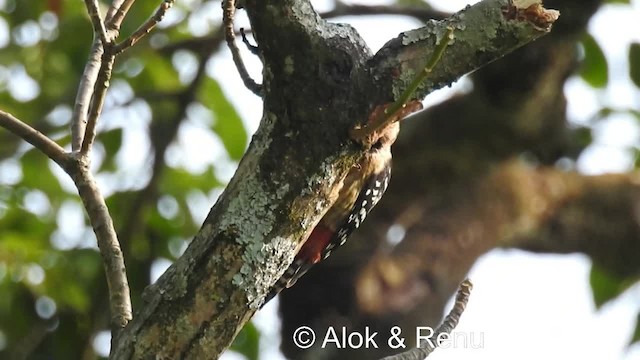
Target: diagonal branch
(390, 114)
(41, 142)
(117, 12)
(145, 28)
(506, 27)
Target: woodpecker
(359, 192)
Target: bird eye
(378, 144)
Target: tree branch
(598, 220)
(390, 114)
(99, 94)
(395, 65)
(446, 327)
(515, 205)
(116, 14)
(41, 142)
(228, 11)
(145, 28)
(96, 20)
(84, 94)
(94, 203)
(113, 261)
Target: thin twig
(145, 28)
(252, 48)
(85, 92)
(387, 116)
(228, 11)
(99, 94)
(112, 258)
(449, 323)
(41, 142)
(90, 75)
(96, 20)
(116, 13)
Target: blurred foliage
(594, 65)
(635, 338)
(634, 63)
(51, 276)
(53, 299)
(607, 287)
(247, 342)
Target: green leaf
(112, 141)
(634, 63)
(606, 286)
(18, 248)
(594, 66)
(178, 181)
(84, 267)
(636, 334)
(228, 124)
(157, 76)
(247, 342)
(636, 157)
(37, 173)
(618, 1)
